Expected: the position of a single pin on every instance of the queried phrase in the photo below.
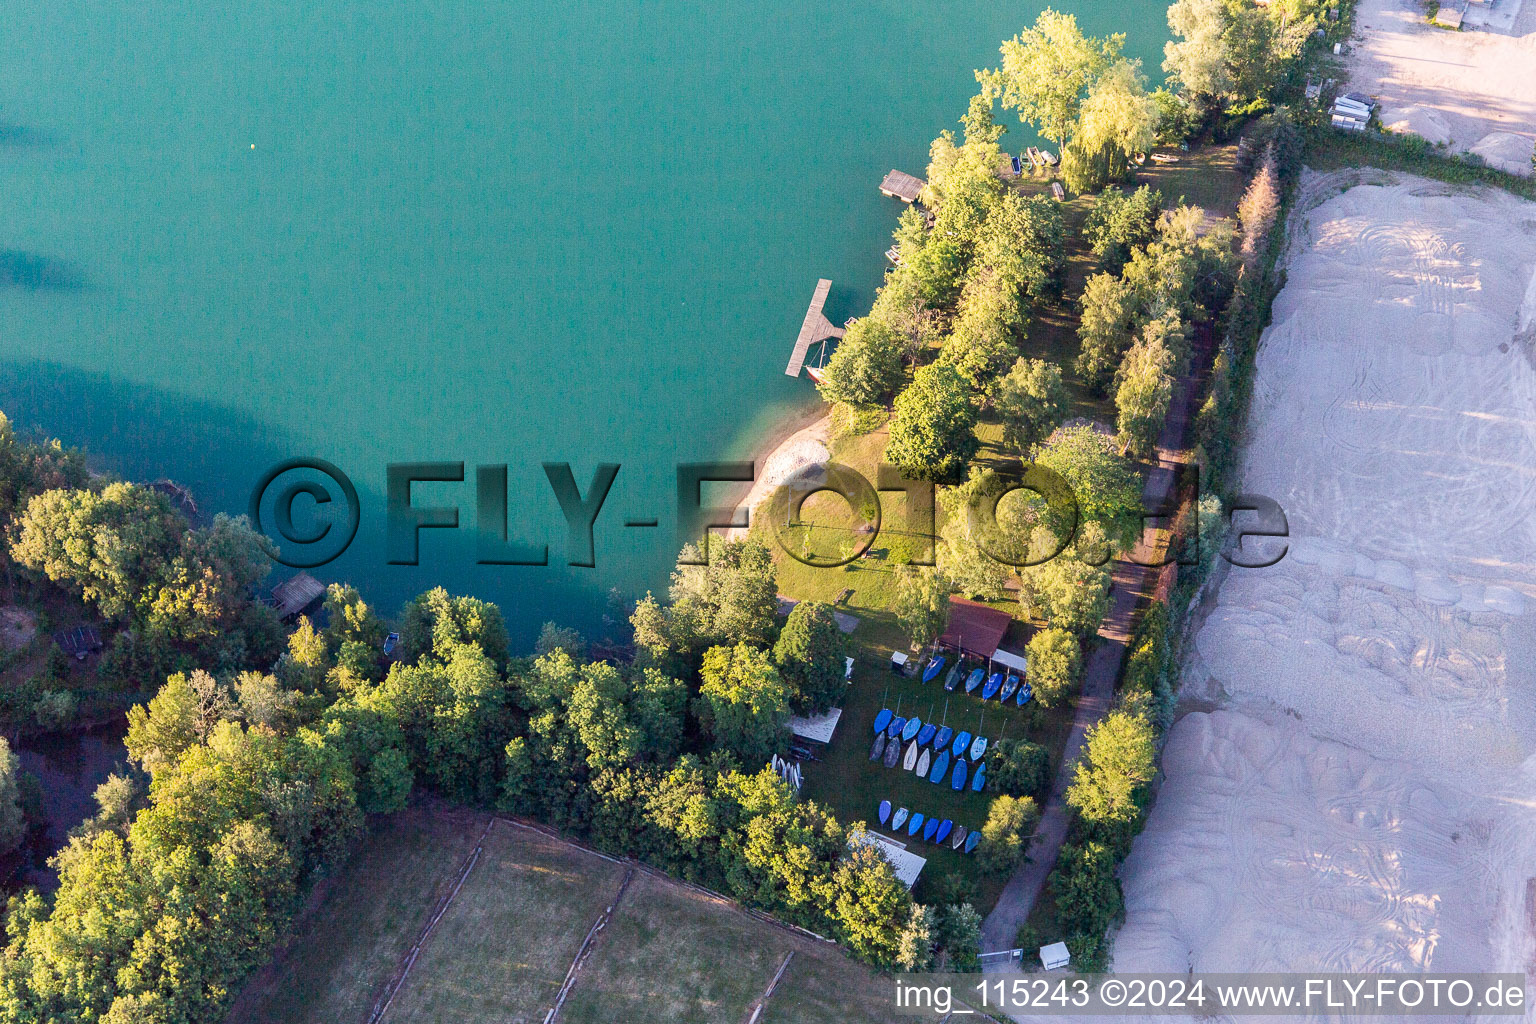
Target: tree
(983, 341)
(743, 704)
(1018, 767)
(1259, 206)
(1107, 487)
(959, 937)
(921, 603)
(13, 827)
(1010, 821)
(1176, 122)
(1120, 223)
(112, 547)
(553, 637)
(1055, 660)
(1109, 308)
(809, 656)
(1032, 401)
(1118, 119)
(1072, 595)
(170, 725)
(865, 368)
(933, 430)
(1023, 241)
(1083, 883)
(436, 623)
(871, 905)
(914, 949)
(733, 599)
(1119, 759)
(1045, 71)
(1144, 395)
(1199, 58)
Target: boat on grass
(942, 739)
(914, 823)
(892, 753)
(958, 838)
(930, 829)
(926, 734)
(978, 748)
(971, 841)
(885, 810)
(1010, 687)
(940, 766)
(894, 729)
(878, 750)
(935, 666)
(883, 719)
(945, 828)
(979, 780)
(923, 761)
(957, 781)
(911, 729)
(1025, 692)
(898, 819)
(994, 683)
(952, 677)
(910, 757)
(974, 679)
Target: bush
(1020, 768)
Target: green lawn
(503, 949)
(361, 923)
(1206, 177)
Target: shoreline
(793, 441)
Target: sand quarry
(1360, 792)
(1472, 90)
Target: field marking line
(586, 946)
(387, 999)
(757, 1010)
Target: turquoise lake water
(514, 233)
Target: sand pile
(1506, 151)
(1365, 798)
(1417, 120)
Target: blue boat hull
(885, 811)
(1024, 694)
(957, 781)
(935, 666)
(945, 828)
(962, 744)
(911, 729)
(1010, 687)
(927, 734)
(941, 741)
(914, 823)
(894, 730)
(974, 680)
(940, 766)
(971, 841)
(929, 830)
(994, 683)
(979, 782)
(882, 720)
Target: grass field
(504, 946)
(502, 951)
(348, 943)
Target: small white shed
(1055, 955)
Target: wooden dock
(816, 328)
(903, 186)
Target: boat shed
(974, 628)
(907, 864)
(295, 594)
(79, 642)
(1008, 659)
(816, 728)
(903, 186)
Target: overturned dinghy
(923, 761)
(892, 753)
(885, 810)
(910, 759)
(878, 750)
(958, 838)
(899, 819)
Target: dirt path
(1132, 582)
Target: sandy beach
(796, 445)
(1361, 798)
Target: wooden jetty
(900, 185)
(816, 328)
